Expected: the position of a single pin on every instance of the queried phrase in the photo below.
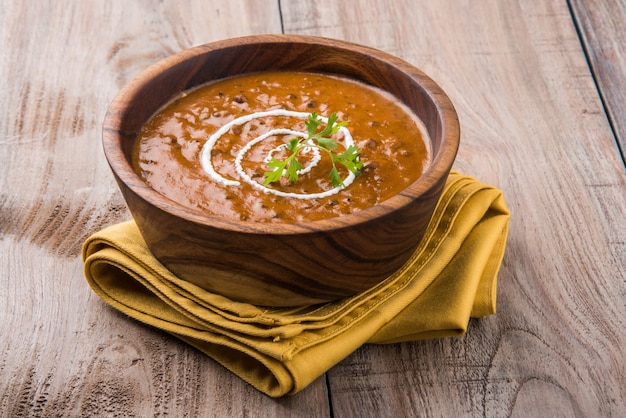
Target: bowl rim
(438, 168)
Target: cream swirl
(207, 164)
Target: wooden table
(540, 87)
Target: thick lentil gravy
(208, 149)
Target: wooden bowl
(292, 263)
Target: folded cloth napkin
(450, 278)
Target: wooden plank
(62, 351)
(602, 26)
(532, 124)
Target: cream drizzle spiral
(207, 164)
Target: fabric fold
(451, 277)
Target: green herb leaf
(293, 143)
(334, 177)
(328, 143)
(292, 169)
(313, 121)
(277, 173)
(322, 140)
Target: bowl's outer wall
(287, 264)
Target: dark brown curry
(168, 152)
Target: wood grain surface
(602, 26)
(533, 123)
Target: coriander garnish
(323, 141)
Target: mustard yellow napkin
(450, 278)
